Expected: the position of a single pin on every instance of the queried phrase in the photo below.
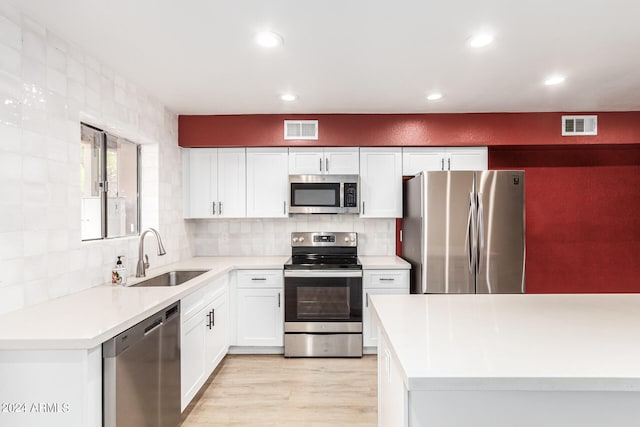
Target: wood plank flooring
(269, 390)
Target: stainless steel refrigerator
(464, 232)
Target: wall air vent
(300, 129)
(579, 125)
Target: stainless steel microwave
(324, 194)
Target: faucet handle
(146, 261)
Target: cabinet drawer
(260, 279)
(193, 303)
(390, 279)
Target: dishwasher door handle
(152, 327)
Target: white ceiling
(362, 56)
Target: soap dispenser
(119, 273)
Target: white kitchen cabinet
(324, 161)
(214, 182)
(203, 336)
(267, 181)
(415, 160)
(379, 282)
(260, 310)
(393, 397)
(381, 182)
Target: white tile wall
(254, 237)
(47, 86)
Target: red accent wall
(583, 216)
(474, 129)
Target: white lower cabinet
(393, 397)
(379, 282)
(204, 336)
(260, 308)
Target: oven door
(323, 301)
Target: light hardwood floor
(268, 390)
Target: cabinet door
(415, 160)
(267, 180)
(201, 181)
(369, 330)
(260, 320)
(192, 357)
(304, 161)
(216, 343)
(342, 161)
(381, 182)
(232, 188)
(467, 159)
(393, 398)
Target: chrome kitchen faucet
(143, 264)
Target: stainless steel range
(323, 296)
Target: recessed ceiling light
(269, 39)
(288, 97)
(434, 96)
(554, 80)
(480, 40)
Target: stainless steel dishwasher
(141, 373)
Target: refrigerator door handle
(480, 231)
(471, 235)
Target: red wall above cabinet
(473, 129)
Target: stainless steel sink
(171, 278)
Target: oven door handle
(322, 273)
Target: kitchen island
(508, 360)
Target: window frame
(104, 185)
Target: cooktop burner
(323, 250)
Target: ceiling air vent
(300, 129)
(579, 125)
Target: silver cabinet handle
(449, 163)
(326, 165)
(363, 208)
(209, 320)
(320, 164)
(442, 164)
(213, 208)
(366, 299)
(258, 278)
(278, 299)
(219, 208)
(387, 279)
(213, 317)
(284, 207)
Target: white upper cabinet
(267, 180)
(415, 160)
(214, 182)
(465, 159)
(323, 161)
(381, 182)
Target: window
(109, 179)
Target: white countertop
(383, 263)
(88, 318)
(513, 342)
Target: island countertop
(513, 342)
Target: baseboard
(234, 349)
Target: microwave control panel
(350, 195)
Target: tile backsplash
(257, 237)
(47, 87)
